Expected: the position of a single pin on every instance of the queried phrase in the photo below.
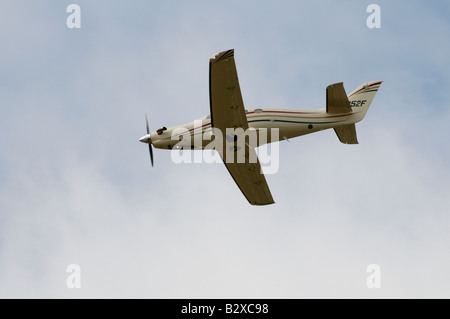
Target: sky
(76, 185)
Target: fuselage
(289, 122)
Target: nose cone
(146, 139)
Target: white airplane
(227, 110)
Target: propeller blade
(151, 153)
(148, 127)
(150, 148)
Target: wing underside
(227, 111)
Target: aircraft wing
(227, 111)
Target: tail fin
(361, 98)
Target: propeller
(147, 139)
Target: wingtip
(222, 55)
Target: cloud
(76, 184)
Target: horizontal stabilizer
(346, 134)
(337, 100)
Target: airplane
(227, 110)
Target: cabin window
(161, 130)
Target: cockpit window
(258, 110)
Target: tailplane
(337, 100)
(357, 102)
(346, 134)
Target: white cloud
(76, 184)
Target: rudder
(361, 98)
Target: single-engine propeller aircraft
(227, 110)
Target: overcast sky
(76, 186)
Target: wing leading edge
(227, 111)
